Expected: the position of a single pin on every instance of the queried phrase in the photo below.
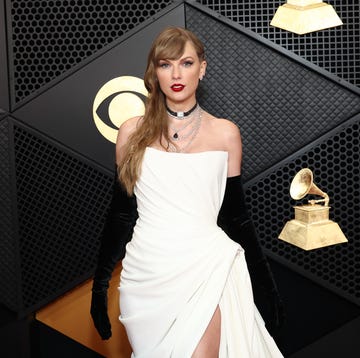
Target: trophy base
(312, 236)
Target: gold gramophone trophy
(311, 228)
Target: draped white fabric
(180, 265)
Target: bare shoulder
(125, 130)
(227, 131)
(229, 128)
(227, 134)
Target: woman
(185, 290)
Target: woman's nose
(176, 73)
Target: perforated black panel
(49, 37)
(279, 104)
(335, 162)
(336, 49)
(282, 107)
(9, 267)
(61, 204)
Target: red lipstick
(177, 87)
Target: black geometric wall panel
(55, 166)
(4, 78)
(282, 106)
(62, 201)
(335, 163)
(335, 49)
(9, 263)
(65, 110)
(265, 91)
(50, 37)
(58, 168)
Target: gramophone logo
(116, 101)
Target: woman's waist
(177, 241)
(168, 227)
(156, 256)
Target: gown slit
(207, 327)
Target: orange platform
(70, 315)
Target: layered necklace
(180, 134)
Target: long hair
(169, 44)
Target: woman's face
(179, 79)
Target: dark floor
(319, 324)
(27, 338)
(341, 343)
(14, 335)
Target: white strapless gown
(179, 265)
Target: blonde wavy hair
(170, 45)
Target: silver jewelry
(180, 115)
(191, 135)
(176, 135)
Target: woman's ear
(202, 70)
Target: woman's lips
(177, 87)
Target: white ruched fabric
(179, 265)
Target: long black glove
(117, 232)
(235, 221)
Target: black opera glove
(117, 232)
(237, 224)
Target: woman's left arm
(234, 148)
(235, 220)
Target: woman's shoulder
(126, 129)
(130, 124)
(226, 124)
(225, 128)
(227, 135)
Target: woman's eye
(188, 63)
(163, 65)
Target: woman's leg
(209, 343)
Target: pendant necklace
(191, 135)
(176, 135)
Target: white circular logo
(124, 105)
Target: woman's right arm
(117, 231)
(125, 130)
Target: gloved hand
(235, 221)
(117, 232)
